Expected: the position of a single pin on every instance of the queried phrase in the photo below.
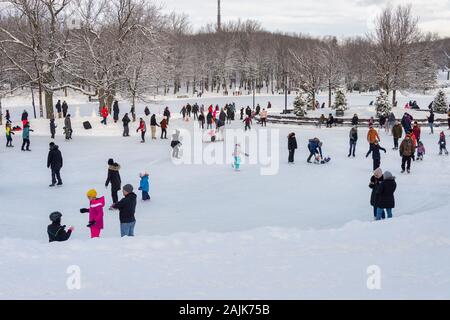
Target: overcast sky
(315, 17)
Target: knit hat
(111, 162)
(388, 176)
(92, 193)
(143, 174)
(128, 188)
(378, 173)
(55, 216)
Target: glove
(91, 223)
(71, 229)
(84, 210)
(140, 189)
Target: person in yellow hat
(95, 210)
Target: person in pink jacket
(95, 210)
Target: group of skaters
(126, 206)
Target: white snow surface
(210, 233)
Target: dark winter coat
(353, 135)
(222, 116)
(292, 143)
(24, 116)
(355, 121)
(126, 120)
(314, 146)
(375, 150)
(116, 111)
(58, 107)
(397, 131)
(209, 118)
(167, 113)
(114, 177)
(374, 184)
(153, 122)
(127, 208)
(385, 194)
(57, 233)
(65, 107)
(52, 126)
(407, 148)
(55, 159)
(201, 118)
(431, 118)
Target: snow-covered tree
(340, 100)
(300, 105)
(383, 106)
(440, 104)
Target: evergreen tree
(383, 106)
(340, 100)
(300, 106)
(310, 102)
(440, 104)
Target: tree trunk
(41, 105)
(1, 113)
(329, 93)
(394, 97)
(49, 104)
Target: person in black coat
(292, 146)
(376, 156)
(384, 199)
(116, 111)
(58, 108)
(114, 179)
(353, 140)
(7, 116)
(355, 120)
(65, 108)
(375, 181)
(53, 127)
(147, 111)
(195, 110)
(56, 232)
(167, 114)
(127, 209)
(55, 163)
(126, 121)
(24, 116)
(242, 113)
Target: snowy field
(211, 233)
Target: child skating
(95, 210)
(442, 144)
(420, 151)
(237, 157)
(144, 186)
(9, 134)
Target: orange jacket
(372, 136)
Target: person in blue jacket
(315, 148)
(144, 186)
(26, 137)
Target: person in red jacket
(163, 124)
(416, 131)
(142, 128)
(104, 112)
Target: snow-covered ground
(305, 232)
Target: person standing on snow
(195, 110)
(7, 116)
(292, 146)
(183, 112)
(430, 119)
(201, 120)
(390, 122)
(68, 127)
(416, 131)
(397, 133)
(353, 140)
(167, 114)
(164, 124)
(375, 181)
(248, 122)
(237, 157)
(442, 144)
(384, 199)
(53, 127)
(116, 111)
(407, 151)
(153, 125)
(263, 117)
(372, 136)
(143, 128)
(315, 148)
(209, 120)
(55, 231)
(133, 113)
(144, 186)
(126, 128)
(65, 109)
(26, 137)
(95, 211)
(58, 108)
(24, 117)
(9, 133)
(104, 112)
(376, 156)
(55, 163)
(114, 179)
(127, 209)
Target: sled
(87, 125)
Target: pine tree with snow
(382, 104)
(440, 102)
(310, 103)
(300, 105)
(340, 100)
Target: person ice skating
(116, 111)
(176, 144)
(55, 231)
(58, 108)
(263, 116)
(126, 125)
(8, 117)
(53, 127)
(133, 113)
(95, 211)
(248, 122)
(9, 134)
(420, 151)
(183, 112)
(375, 181)
(201, 121)
(430, 119)
(237, 157)
(315, 149)
(188, 110)
(65, 109)
(153, 125)
(26, 137)
(147, 111)
(167, 115)
(24, 117)
(407, 151)
(382, 121)
(390, 122)
(353, 140)
(407, 122)
(376, 156)
(384, 199)
(355, 120)
(209, 120)
(292, 146)
(242, 114)
(55, 163)
(442, 144)
(397, 133)
(114, 179)
(416, 131)
(104, 113)
(143, 128)
(127, 209)
(195, 111)
(164, 124)
(144, 186)
(230, 114)
(68, 127)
